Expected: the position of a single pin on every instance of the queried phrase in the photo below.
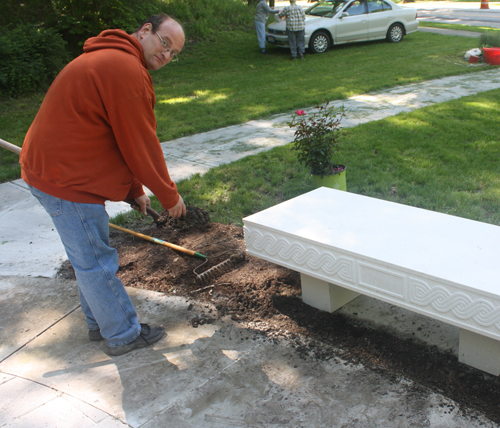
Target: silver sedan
(337, 22)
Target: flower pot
(492, 56)
(333, 181)
(473, 59)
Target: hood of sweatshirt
(115, 39)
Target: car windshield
(327, 9)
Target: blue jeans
(84, 232)
(261, 34)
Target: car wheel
(320, 42)
(395, 33)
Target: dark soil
(266, 298)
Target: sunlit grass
(227, 81)
(207, 97)
(460, 27)
(444, 158)
(251, 86)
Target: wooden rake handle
(149, 210)
(159, 241)
(9, 146)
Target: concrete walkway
(215, 375)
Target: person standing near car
(261, 16)
(92, 140)
(295, 27)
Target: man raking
(94, 139)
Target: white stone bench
(343, 245)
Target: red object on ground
(492, 56)
(473, 59)
(484, 4)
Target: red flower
(301, 112)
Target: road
(458, 13)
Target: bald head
(160, 37)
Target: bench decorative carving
(438, 265)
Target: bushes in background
(205, 18)
(491, 40)
(38, 37)
(79, 20)
(30, 58)
(17, 12)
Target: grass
(15, 118)
(460, 27)
(443, 158)
(227, 81)
(220, 86)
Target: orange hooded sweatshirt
(94, 137)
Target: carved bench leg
(323, 295)
(479, 351)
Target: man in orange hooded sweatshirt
(94, 139)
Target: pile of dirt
(266, 298)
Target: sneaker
(263, 51)
(95, 335)
(148, 336)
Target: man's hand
(142, 202)
(179, 209)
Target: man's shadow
(175, 382)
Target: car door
(380, 18)
(352, 24)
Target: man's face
(155, 54)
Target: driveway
(463, 13)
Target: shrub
(78, 21)
(30, 58)
(204, 19)
(491, 40)
(316, 138)
(16, 12)
(32, 53)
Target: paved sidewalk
(215, 375)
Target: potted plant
(491, 48)
(316, 137)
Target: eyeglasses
(166, 45)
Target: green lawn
(219, 85)
(460, 27)
(227, 81)
(444, 158)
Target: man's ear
(146, 28)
